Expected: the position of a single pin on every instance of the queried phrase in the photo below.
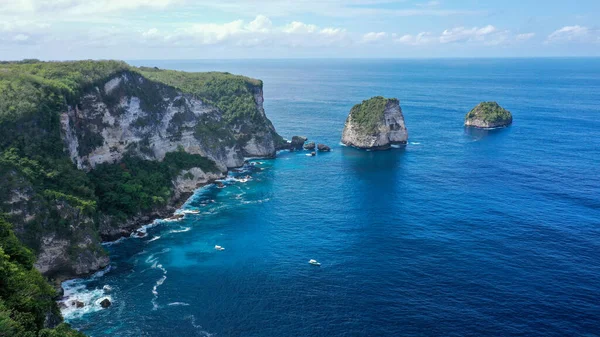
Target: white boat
(217, 247)
(314, 262)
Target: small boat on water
(191, 211)
(217, 247)
(314, 262)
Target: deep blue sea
(462, 233)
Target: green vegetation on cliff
(26, 300)
(369, 114)
(233, 94)
(137, 185)
(34, 93)
(490, 112)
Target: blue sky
(194, 29)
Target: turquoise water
(461, 233)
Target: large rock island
(487, 115)
(375, 124)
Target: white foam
(158, 283)
(154, 238)
(76, 291)
(182, 230)
(183, 304)
(110, 243)
(415, 143)
(245, 202)
(198, 327)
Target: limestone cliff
(375, 124)
(130, 113)
(96, 115)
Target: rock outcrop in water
(297, 142)
(488, 115)
(375, 124)
(310, 146)
(323, 148)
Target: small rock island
(375, 124)
(487, 115)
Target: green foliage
(233, 94)
(84, 206)
(62, 330)
(25, 296)
(136, 185)
(369, 114)
(490, 112)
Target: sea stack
(488, 115)
(375, 124)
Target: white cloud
(331, 8)
(525, 36)
(79, 7)
(374, 37)
(576, 33)
(21, 37)
(261, 24)
(462, 34)
(415, 40)
(260, 31)
(299, 27)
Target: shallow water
(463, 232)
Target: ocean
(461, 233)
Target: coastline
(138, 224)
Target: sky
(225, 29)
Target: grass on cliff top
(368, 114)
(490, 112)
(233, 94)
(27, 85)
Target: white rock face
(189, 180)
(102, 128)
(390, 130)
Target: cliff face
(58, 211)
(63, 236)
(376, 123)
(131, 114)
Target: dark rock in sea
(310, 146)
(78, 304)
(487, 115)
(176, 217)
(297, 143)
(375, 124)
(323, 148)
(220, 185)
(313, 153)
(105, 303)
